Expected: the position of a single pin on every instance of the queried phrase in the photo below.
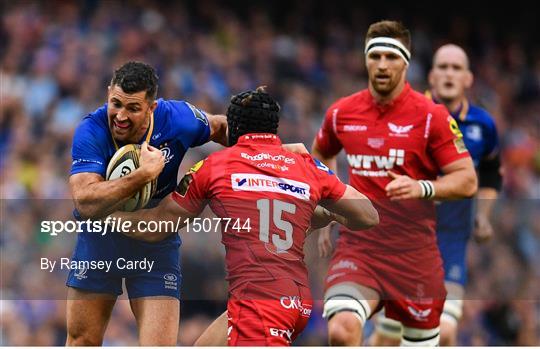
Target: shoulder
(179, 110)
(179, 117)
(213, 166)
(220, 157)
(98, 117)
(438, 110)
(94, 124)
(481, 116)
(428, 106)
(316, 166)
(423, 101)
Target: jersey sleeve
(86, 154)
(445, 141)
(331, 187)
(193, 190)
(194, 128)
(327, 140)
(491, 149)
(489, 174)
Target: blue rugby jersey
(481, 139)
(175, 127)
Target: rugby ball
(123, 162)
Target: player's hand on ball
(483, 231)
(402, 187)
(152, 161)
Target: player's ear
(153, 106)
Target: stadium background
(57, 58)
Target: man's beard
(384, 90)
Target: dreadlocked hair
(252, 112)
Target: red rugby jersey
(276, 190)
(411, 136)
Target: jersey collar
(396, 101)
(460, 114)
(259, 138)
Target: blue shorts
(453, 248)
(149, 269)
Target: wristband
(428, 189)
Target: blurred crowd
(57, 59)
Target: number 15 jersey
(276, 191)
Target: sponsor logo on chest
(375, 143)
(399, 130)
(257, 182)
(167, 154)
(376, 165)
(354, 128)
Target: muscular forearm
(354, 210)
(322, 217)
(357, 222)
(458, 184)
(95, 198)
(218, 128)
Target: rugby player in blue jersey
(450, 78)
(166, 129)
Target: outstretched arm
(324, 241)
(354, 210)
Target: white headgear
(382, 43)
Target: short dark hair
(135, 77)
(253, 111)
(391, 29)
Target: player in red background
(277, 191)
(396, 142)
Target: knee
(345, 329)
(80, 338)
